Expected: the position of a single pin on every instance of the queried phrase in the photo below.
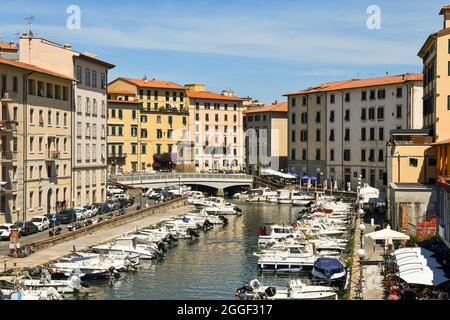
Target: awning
(270, 172)
(417, 266)
(388, 235)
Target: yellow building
(443, 158)
(145, 117)
(435, 54)
(36, 140)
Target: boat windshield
(281, 230)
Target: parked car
(112, 190)
(42, 222)
(5, 230)
(91, 211)
(67, 216)
(27, 228)
(104, 208)
(81, 213)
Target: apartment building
(36, 140)
(351, 126)
(146, 117)
(89, 111)
(307, 133)
(435, 54)
(270, 124)
(216, 127)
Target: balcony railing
(117, 155)
(6, 155)
(8, 95)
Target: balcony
(8, 96)
(116, 157)
(53, 156)
(8, 127)
(6, 156)
(166, 111)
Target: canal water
(211, 267)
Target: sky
(259, 49)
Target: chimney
(68, 46)
(445, 11)
(25, 35)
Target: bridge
(220, 182)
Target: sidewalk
(60, 250)
(374, 289)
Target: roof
(96, 60)
(211, 96)
(442, 142)
(279, 107)
(160, 84)
(360, 83)
(124, 101)
(8, 46)
(444, 8)
(26, 66)
(120, 92)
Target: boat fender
(271, 292)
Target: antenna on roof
(357, 75)
(29, 21)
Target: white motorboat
(218, 206)
(129, 245)
(295, 290)
(300, 200)
(284, 197)
(277, 233)
(73, 284)
(291, 259)
(261, 195)
(31, 294)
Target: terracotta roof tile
(154, 84)
(360, 83)
(279, 107)
(30, 67)
(211, 96)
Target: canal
(211, 267)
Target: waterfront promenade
(85, 242)
(374, 289)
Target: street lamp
(361, 255)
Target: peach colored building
(216, 127)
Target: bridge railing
(131, 178)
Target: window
(293, 101)
(158, 149)
(363, 134)
(332, 115)
(372, 134)
(318, 116)
(380, 156)
(371, 113)
(79, 74)
(304, 153)
(381, 134)
(133, 148)
(318, 135)
(94, 79)
(65, 119)
(364, 96)
(318, 155)
(380, 113)
(399, 92)
(103, 81)
(318, 100)
(88, 77)
(347, 135)
(363, 173)
(332, 135)
(144, 148)
(15, 84)
(293, 154)
(413, 162)
(381, 94)
(363, 155)
(399, 111)
(347, 115)
(159, 133)
(304, 135)
(364, 114)
(347, 97)
(332, 155)
(49, 118)
(144, 119)
(293, 136)
(305, 101)
(372, 156)
(134, 131)
(347, 155)
(448, 102)
(372, 94)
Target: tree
(162, 162)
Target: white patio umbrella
(426, 277)
(388, 235)
(325, 184)
(336, 185)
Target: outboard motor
(237, 209)
(75, 282)
(163, 246)
(207, 225)
(270, 292)
(224, 219)
(173, 238)
(193, 233)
